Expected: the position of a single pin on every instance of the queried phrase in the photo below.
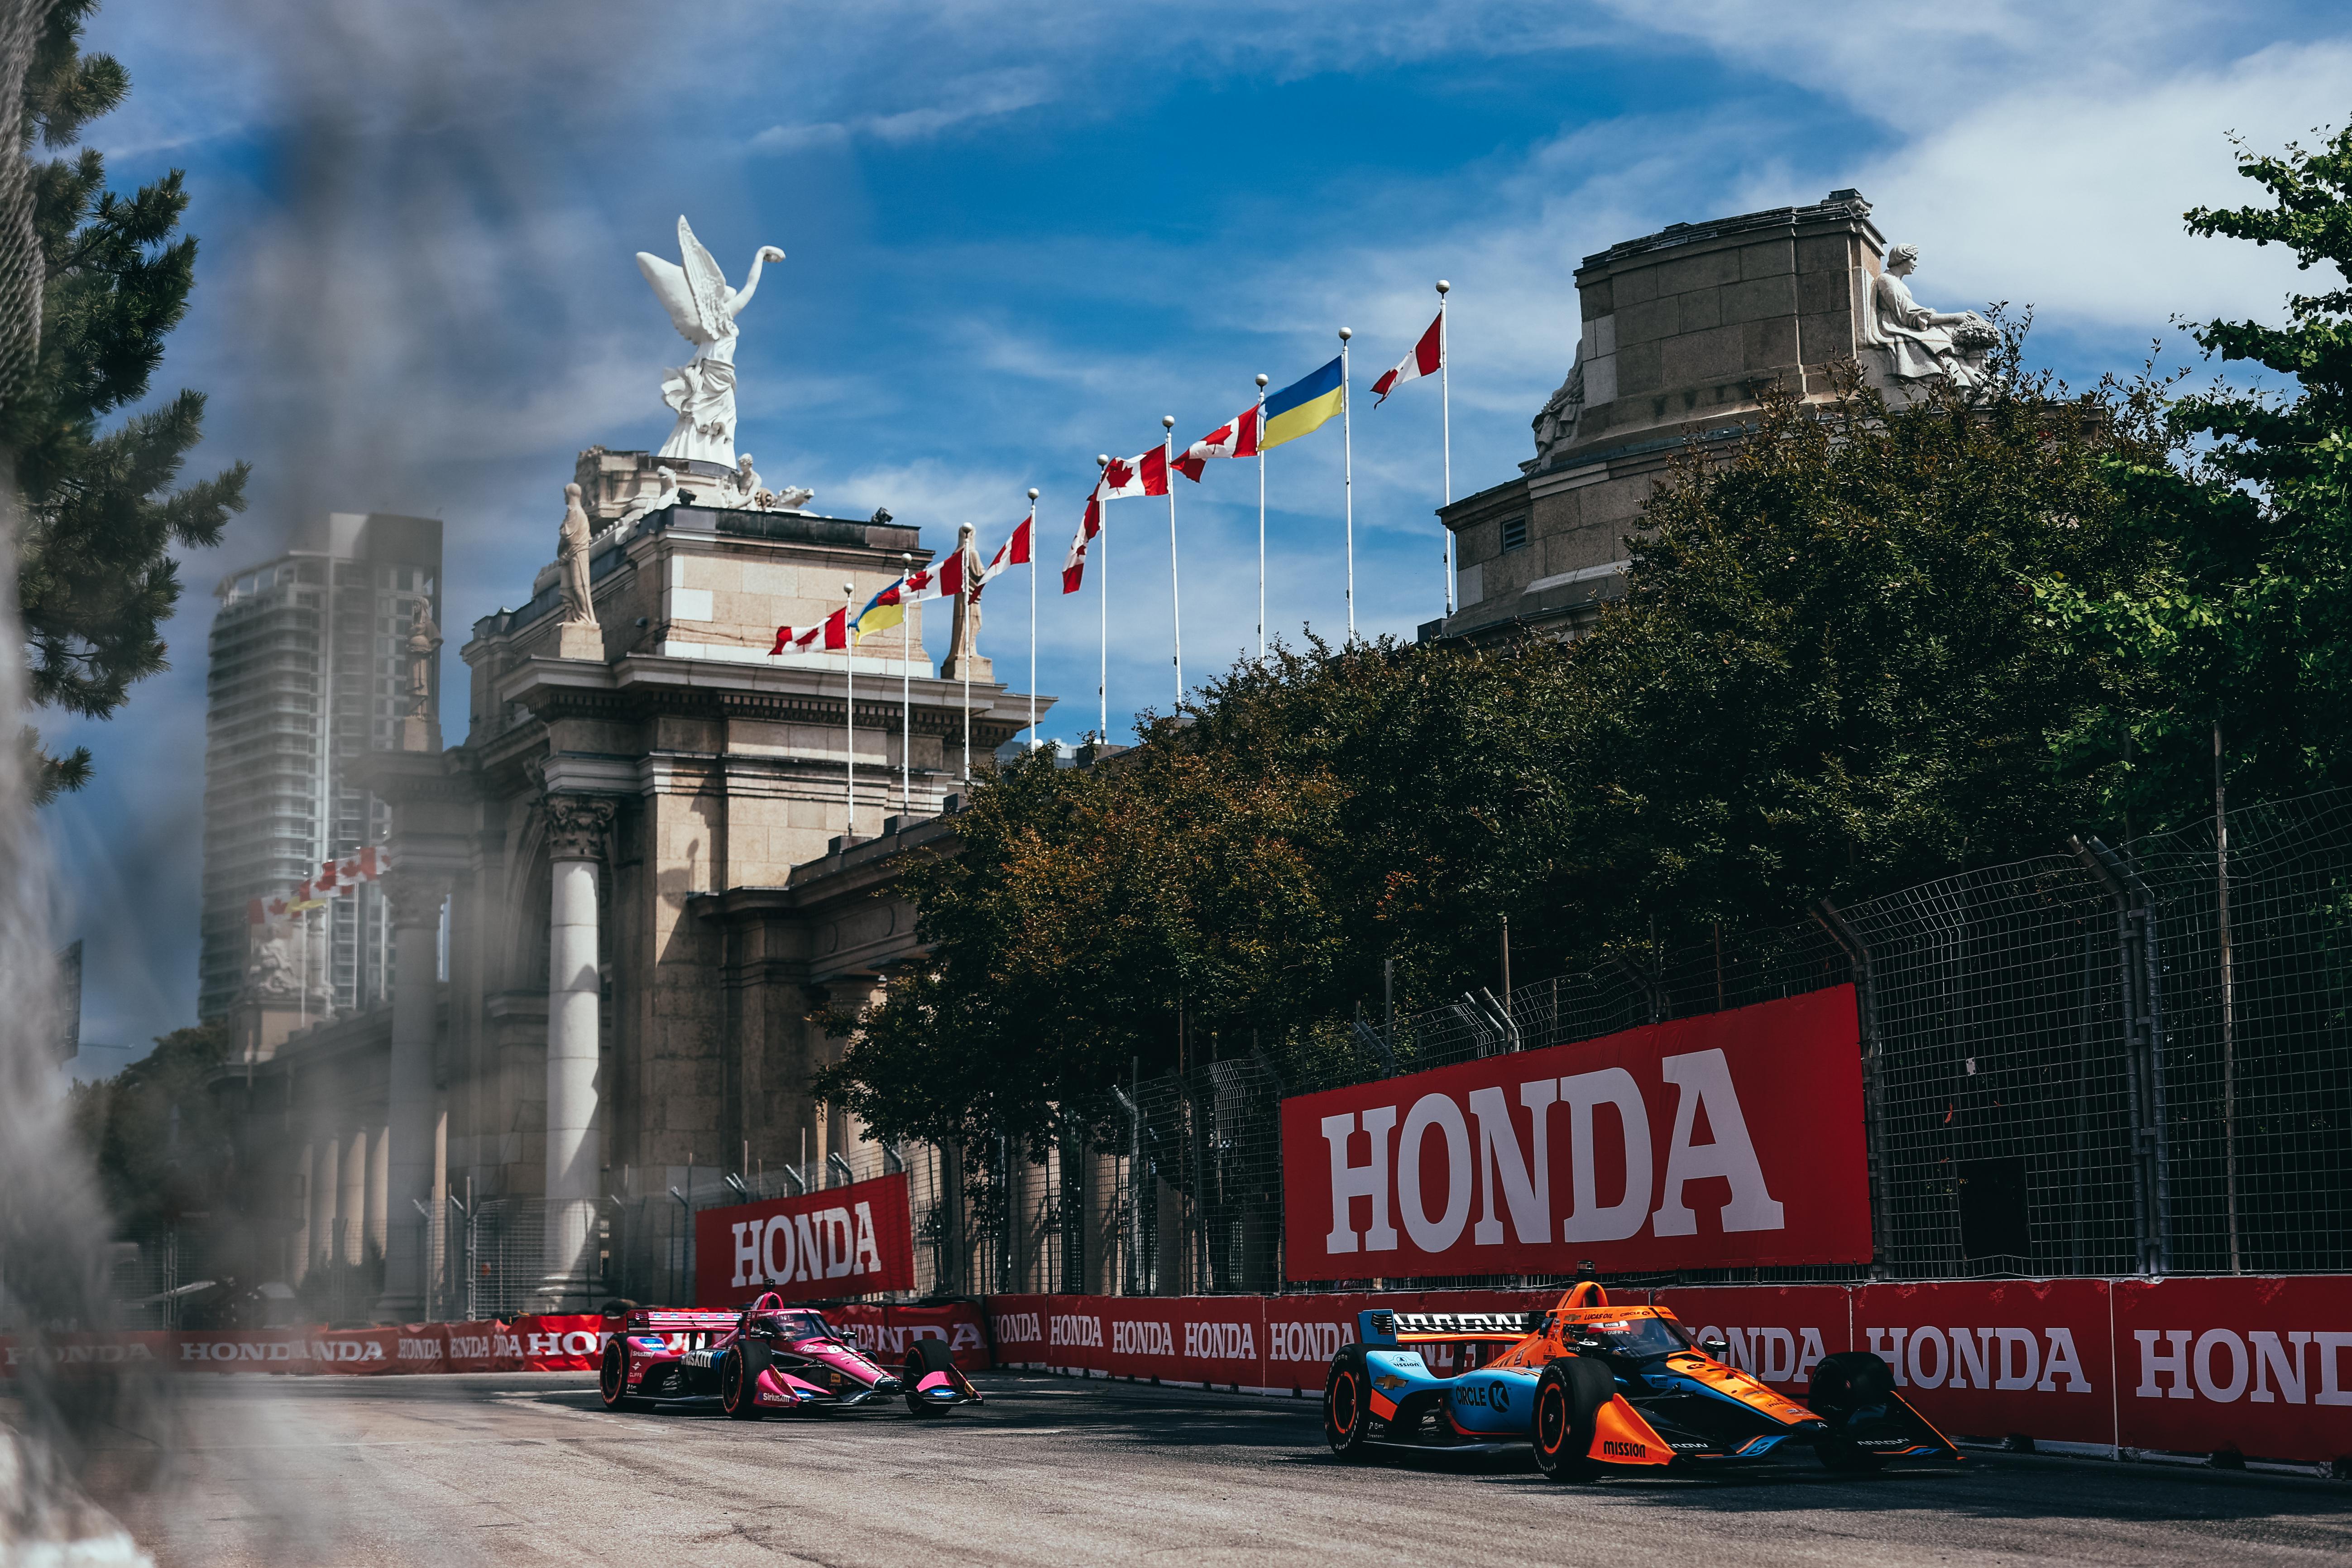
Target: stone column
(414, 904)
(326, 1170)
(378, 1168)
(350, 1206)
(577, 827)
(298, 1261)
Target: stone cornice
(401, 778)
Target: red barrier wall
(2259, 1366)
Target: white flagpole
(849, 703)
(1102, 597)
(1032, 616)
(967, 592)
(905, 691)
(1348, 477)
(1175, 599)
(1261, 517)
(1446, 425)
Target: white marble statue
(423, 642)
(703, 309)
(1920, 342)
(963, 629)
(571, 563)
(666, 495)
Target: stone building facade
(1681, 331)
(618, 902)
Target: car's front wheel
(1348, 1404)
(1568, 1397)
(1845, 1384)
(612, 1375)
(925, 1357)
(738, 1385)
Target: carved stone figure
(703, 309)
(1555, 427)
(270, 974)
(1920, 342)
(646, 506)
(571, 563)
(963, 634)
(424, 643)
(793, 498)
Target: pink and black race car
(766, 1356)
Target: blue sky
(1020, 233)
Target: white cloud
(964, 103)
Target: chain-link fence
(2098, 1062)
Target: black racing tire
(1568, 1397)
(738, 1384)
(925, 1357)
(612, 1375)
(1347, 1404)
(1843, 1383)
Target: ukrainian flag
(883, 611)
(1304, 405)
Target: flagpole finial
(1033, 492)
(1168, 422)
(1346, 332)
(1102, 460)
(1261, 378)
(1444, 287)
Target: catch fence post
(1873, 1091)
(2140, 995)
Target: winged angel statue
(703, 309)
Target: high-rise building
(308, 674)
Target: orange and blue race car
(765, 1357)
(1601, 1390)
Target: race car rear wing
(1383, 1328)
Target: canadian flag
(374, 863)
(1139, 476)
(835, 630)
(1020, 536)
(1236, 437)
(254, 913)
(1074, 570)
(326, 883)
(1426, 356)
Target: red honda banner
(2260, 1366)
(841, 1241)
(885, 1332)
(568, 1342)
(1731, 1140)
(1996, 1358)
(1776, 1332)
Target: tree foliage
(95, 578)
(2244, 617)
(160, 1142)
(1831, 670)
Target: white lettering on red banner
(1730, 1140)
(849, 1241)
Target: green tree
(160, 1143)
(1831, 673)
(95, 579)
(2243, 617)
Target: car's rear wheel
(739, 1382)
(1568, 1397)
(1348, 1404)
(1843, 1383)
(925, 1357)
(612, 1375)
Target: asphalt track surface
(528, 1468)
